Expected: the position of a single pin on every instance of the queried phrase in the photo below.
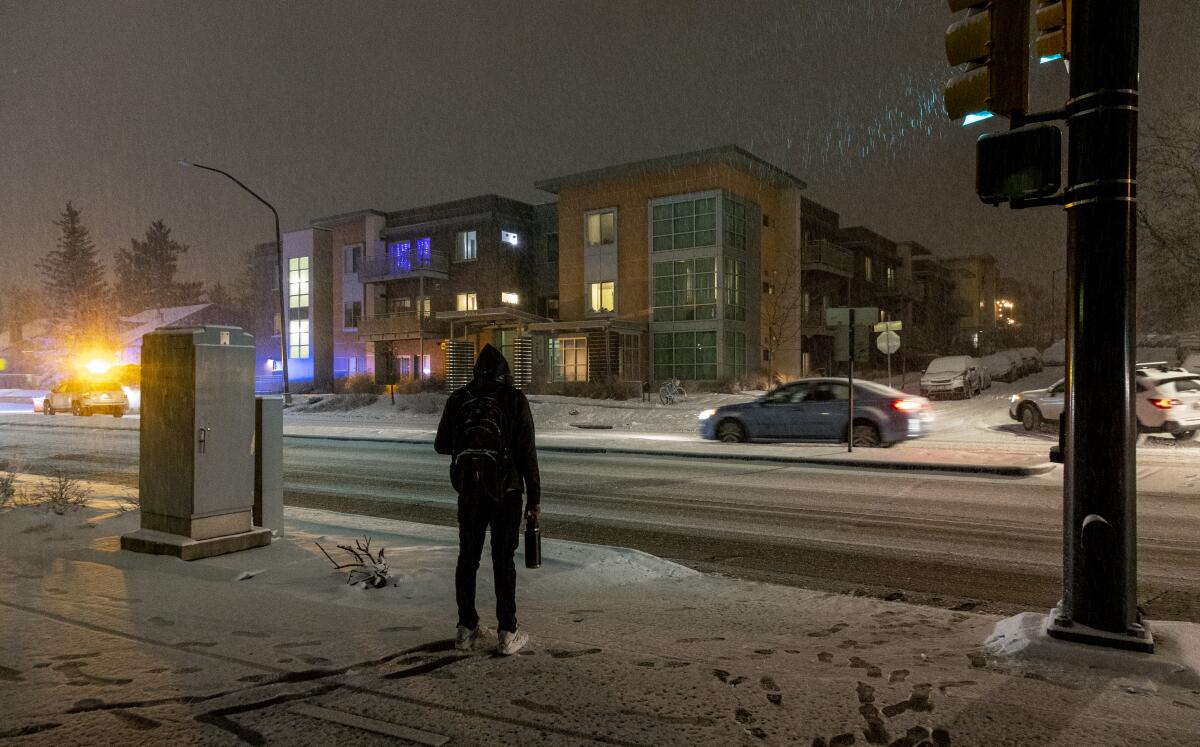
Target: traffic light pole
(1099, 603)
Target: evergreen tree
(145, 273)
(73, 280)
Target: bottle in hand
(533, 543)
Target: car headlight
(707, 414)
(1015, 398)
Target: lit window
(510, 238)
(734, 223)
(510, 298)
(683, 225)
(601, 228)
(568, 359)
(601, 295)
(351, 314)
(868, 268)
(424, 251)
(466, 249)
(466, 302)
(891, 277)
(298, 305)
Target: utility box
(197, 470)
(268, 464)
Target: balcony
(899, 288)
(400, 265)
(401, 325)
(826, 256)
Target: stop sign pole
(888, 342)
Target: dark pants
(474, 517)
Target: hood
(491, 365)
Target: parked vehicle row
(964, 376)
(1166, 400)
(818, 410)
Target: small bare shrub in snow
(128, 500)
(62, 493)
(424, 403)
(340, 402)
(357, 384)
(8, 488)
(368, 569)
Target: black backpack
(480, 465)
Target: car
(817, 410)
(1018, 362)
(86, 396)
(1033, 359)
(956, 375)
(1192, 363)
(999, 367)
(1166, 400)
(1033, 407)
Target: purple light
(400, 253)
(423, 251)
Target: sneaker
(466, 638)
(511, 642)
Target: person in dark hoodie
(488, 429)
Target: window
(601, 297)
(426, 367)
(424, 251)
(734, 223)
(685, 355)
(510, 238)
(552, 248)
(735, 289)
(400, 256)
(352, 314)
(510, 297)
(631, 358)
(735, 354)
(805, 302)
(298, 307)
(465, 248)
(552, 307)
(275, 319)
(425, 306)
(891, 277)
(466, 302)
(687, 224)
(352, 259)
(685, 290)
(568, 358)
(868, 267)
(404, 367)
(601, 228)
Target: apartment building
(664, 265)
(975, 280)
(463, 271)
(354, 237)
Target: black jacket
(492, 375)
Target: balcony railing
(826, 256)
(899, 287)
(399, 325)
(398, 264)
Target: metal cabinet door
(224, 437)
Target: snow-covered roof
(151, 319)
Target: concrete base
(1061, 627)
(160, 543)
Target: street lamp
(283, 320)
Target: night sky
(326, 107)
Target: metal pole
(283, 320)
(850, 408)
(1099, 603)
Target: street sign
(888, 342)
(893, 326)
(862, 343)
(839, 316)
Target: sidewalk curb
(1006, 470)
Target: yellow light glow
(98, 366)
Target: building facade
(975, 281)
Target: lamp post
(283, 320)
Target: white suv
(1166, 400)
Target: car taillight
(906, 405)
(1165, 404)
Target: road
(947, 540)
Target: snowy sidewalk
(271, 646)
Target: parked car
(1018, 362)
(999, 367)
(1033, 359)
(817, 410)
(1166, 400)
(955, 375)
(83, 396)
(1192, 363)
(1056, 354)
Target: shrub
(618, 390)
(339, 402)
(62, 493)
(8, 487)
(356, 384)
(416, 386)
(422, 403)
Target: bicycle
(672, 392)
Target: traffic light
(993, 41)
(1054, 30)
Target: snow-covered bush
(61, 493)
(338, 402)
(8, 488)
